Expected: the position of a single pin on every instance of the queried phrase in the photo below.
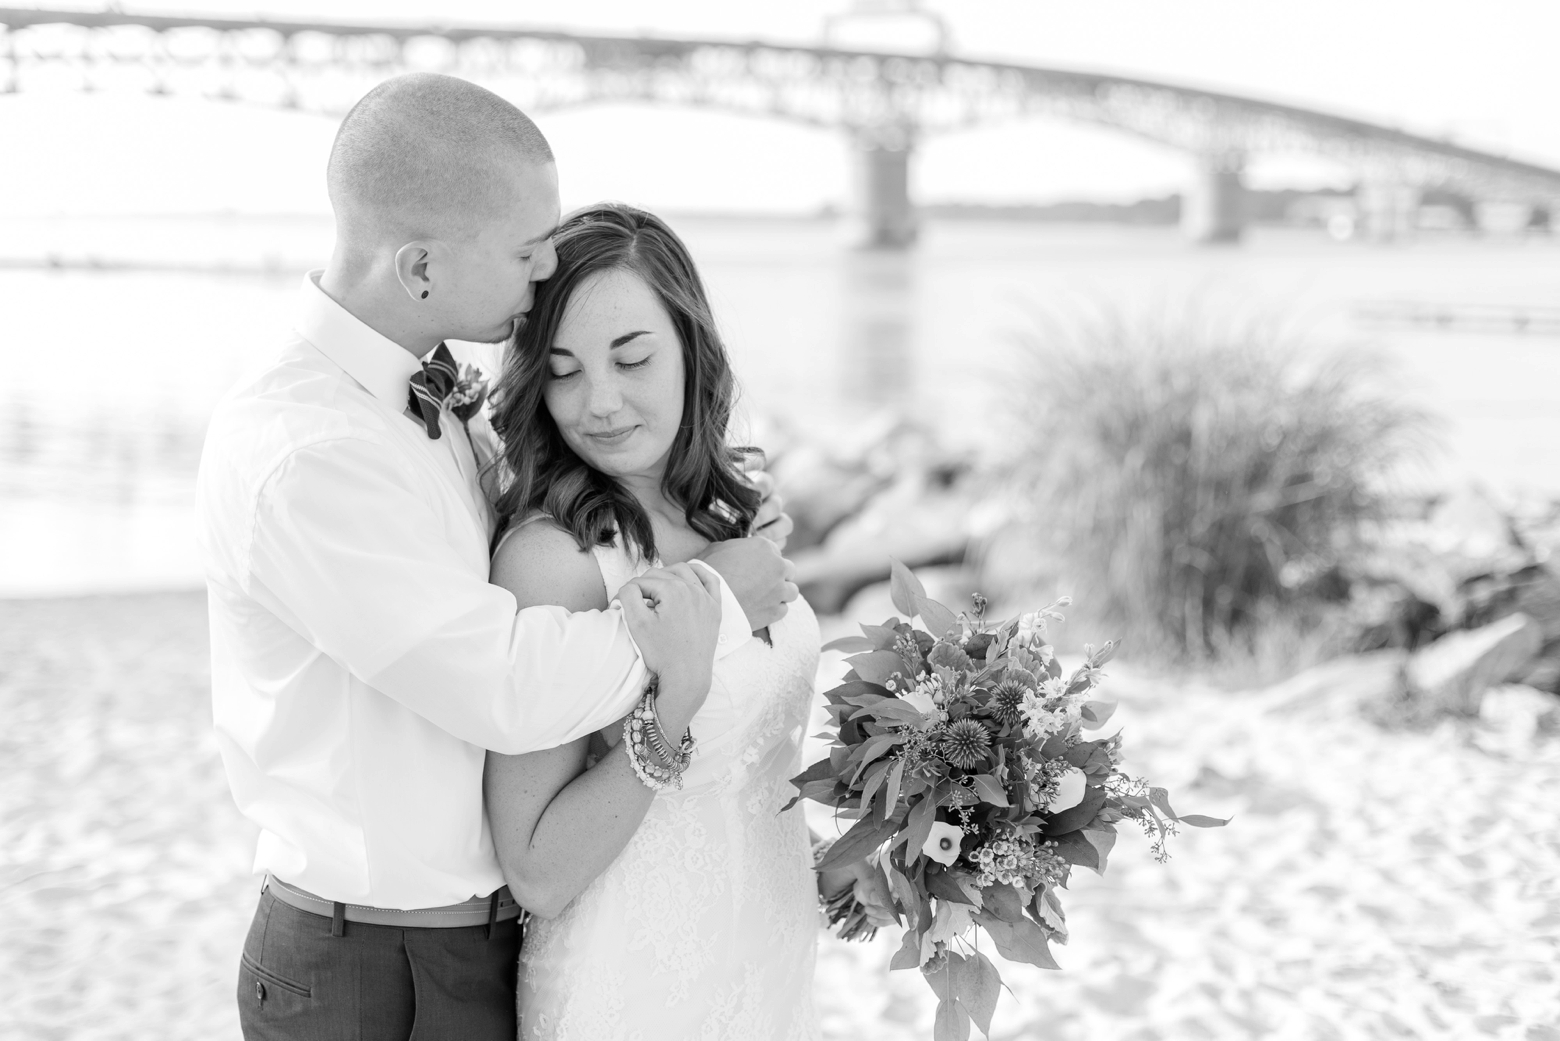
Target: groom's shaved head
(425, 155)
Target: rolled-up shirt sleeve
(360, 565)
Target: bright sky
(1484, 72)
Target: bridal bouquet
(963, 758)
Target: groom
(361, 662)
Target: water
(110, 375)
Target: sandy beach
(1372, 884)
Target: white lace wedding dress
(705, 926)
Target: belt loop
(493, 912)
(338, 918)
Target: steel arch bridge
(885, 102)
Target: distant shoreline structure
(1331, 211)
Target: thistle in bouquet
(962, 755)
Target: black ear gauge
(425, 294)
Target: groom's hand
(674, 616)
(762, 580)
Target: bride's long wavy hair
(538, 469)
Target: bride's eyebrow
(614, 345)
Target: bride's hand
(871, 890)
(771, 522)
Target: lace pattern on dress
(705, 925)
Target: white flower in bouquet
(1069, 790)
(942, 845)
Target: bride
(692, 912)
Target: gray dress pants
(297, 982)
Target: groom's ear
(411, 267)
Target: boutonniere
(470, 391)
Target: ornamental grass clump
(1202, 478)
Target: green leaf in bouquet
(1022, 941)
(1098, 765)
(863, 837)
(1055, 747)
(904, 894)
(903, 588)
(909, 954)
(1103, 840)
(944, 884)
(856, 689)
(918, 828)
(1074, 819)
(822, 770)
(958, 795)
(950, 656)
(1095, 713)
(939, 621)
(883, 637)
(873, 747)
(1078, 755)
(877, 666)
(952, 919)
(988, 788)
(1160, 797)
(875, 774)
(896, 776)
(1197, 820)
(897, 711)
(1076, 849)
(976, 983)
(1048, 909)
(823, 791)
(952, 1022)
(850, 645)
(1003, 901)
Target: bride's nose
(605, 398)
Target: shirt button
(259, 991)
(721, 638)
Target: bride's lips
(610, 438)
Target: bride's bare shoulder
(541, 564)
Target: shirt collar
(381, 365)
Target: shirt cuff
(734, 628)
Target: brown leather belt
(479, 910)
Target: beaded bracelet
(642, 730)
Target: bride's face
(615, 383)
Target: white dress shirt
(361, 661)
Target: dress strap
(514, 527)
(618, 565)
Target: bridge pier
(1213, 211)
(883, 206)
(1388, 210)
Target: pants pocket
(275, 1008)
(272, 979)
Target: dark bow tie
(432, 387)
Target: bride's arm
(556, 825)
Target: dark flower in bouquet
(962, 755)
